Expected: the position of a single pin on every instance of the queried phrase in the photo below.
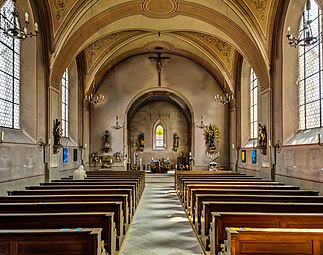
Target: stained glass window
(159, 140)
(253, 104)
(9, 73)
(65, 103)
(310, 76)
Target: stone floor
(160, 225)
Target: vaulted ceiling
(214, 33)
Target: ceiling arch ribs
(171, 43)
(229, 29)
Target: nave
(160, 225)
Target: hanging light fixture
(117, 125)
(305, 37)
(201, 125)
(94, 98)
(11, 25)
(224, 98)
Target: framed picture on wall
(75, 155)
(243, 156)
(254, 156)
(65, 155)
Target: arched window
(9, 73)
(159, 134)
(310, 76)
(253, 104)
(65, 103)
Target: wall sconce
(12, 26)
(1, 136)
(306, 37)
(278, 146)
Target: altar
(160, 165)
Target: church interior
(160, 87)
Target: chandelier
(305, 37)
(224, 98)
(201, 125)
(93, 98)
(11, 24)
(117, 125)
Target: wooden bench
(234, 186)
(99, 181)
(58, 207)
(76, 198)
(248, 198)
(81, 192)
(186, 182)
(51, 241)
(179, 174)
(209, 207)
(111, 183)
(193, 192)
(105, 221)
(220, 221)
(275, 241)
(89, 186)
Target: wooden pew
(220, 221)
(98, 180)
(51, 241)
(194, 192)
(137, 191)
(76, 198)
(58, 207)
(209, 207)
(89, 186)
(105, 221)
(234, 186)
(248, 198)
(207, 179)
(275, 241)
(179, 174)
(83, 192)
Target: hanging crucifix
(159, 65)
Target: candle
(288, 31)
(85, 145)
(36, 27)
(2, 136)
(111, 161)
(152, 159)
(233, 146)
(190, 153)
(269, 143)
(26, 17)
(49, 141)
(319, 138)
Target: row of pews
(70, 217)
(233, 213)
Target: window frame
(65, 103)
(158, 123)
(253, 105)
(306, 82)
(13, 46)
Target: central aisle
(160, 225)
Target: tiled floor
(160, 225)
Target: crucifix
(159, 65)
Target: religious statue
(57, 133)
(175, 142)
(211, 135)
(141, 141)
(262, 138)
(107, 143)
